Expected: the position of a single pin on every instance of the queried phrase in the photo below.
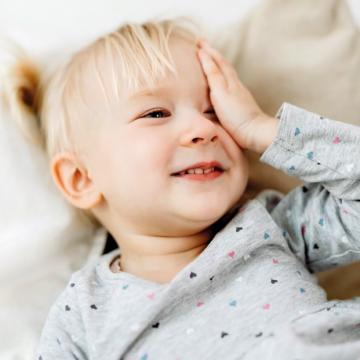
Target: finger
(221, 61)
(213, 73)
(216, 54)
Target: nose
(201, 130)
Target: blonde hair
(47, 110)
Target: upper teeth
(197, 171)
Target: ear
(73, 181)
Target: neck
(159, 268)
(162, 267)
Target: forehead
(107, 91)
(190, 76)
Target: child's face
(131, 157)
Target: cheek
(243, 161)
(239, 162)
(234, 152)
(153, 156)
(145, 159)
(133, 167)
(153, 152)
(242, 166)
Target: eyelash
(211, 111)
(153, 112)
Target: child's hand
(234, 105)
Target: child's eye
(156, 114)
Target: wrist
(265, 133)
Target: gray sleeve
(62, 336)
(320, 220)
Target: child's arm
(62, 337)
(323, 217)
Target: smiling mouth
(198, 171)
(208, 175)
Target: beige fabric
(306, 54)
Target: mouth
(200, 168)
(200, 174)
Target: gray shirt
(251, 293)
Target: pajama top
(251, 294)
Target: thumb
(213, 73)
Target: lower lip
(201, 177)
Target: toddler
(146, 130)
